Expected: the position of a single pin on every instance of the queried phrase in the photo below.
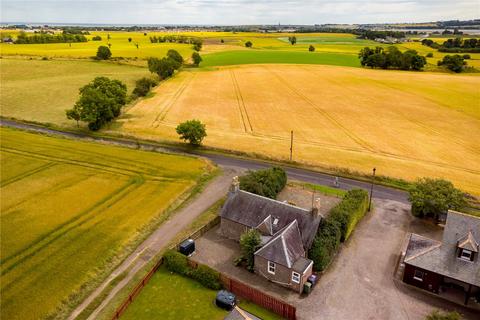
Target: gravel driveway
(360, 285)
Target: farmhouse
(287, 233)
(447, 266)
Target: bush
(429, 55)
(164, 67)
(248, 44)
(431, 197)
(143, 86)
(466, 56)
(249, 243)
(96, 38)
(437, 315)
(311, 48)
(207, 277)
(454, 63)
(267, 183)
(176, 262)
(175, 56)
(196, 58)
(103, 53)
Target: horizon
(235, 12)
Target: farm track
(80, 219)
(27, 174)
(89, 165)
(324, 113)
(163, 113)
(247, 124)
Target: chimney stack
(235, 186)
(316, 207)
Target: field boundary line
(241, 103)
(27, 174)
(80, 219)
(328, 116)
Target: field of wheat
(70, 211)
(407, 124)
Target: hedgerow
(267, 183)
(176, 262)
(337, 227)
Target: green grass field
(70, 211)
(41, 91)
(290, 57)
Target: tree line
(391, 58)
(455, 45)
(23, 38)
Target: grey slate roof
(441, 257)
(285, 247)
(301, 264)
(251, 210)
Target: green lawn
(264, 56)
(169, 296)
(39, 90)
(71, 211)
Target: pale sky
(236, 12)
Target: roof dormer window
(466, 255)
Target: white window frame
(415, 275)
(466, 258)
(296, 277)
(271, 267)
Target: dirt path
(158, 240)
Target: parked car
(225, 300)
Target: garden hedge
(337, 227)
(176, 262)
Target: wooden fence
(254, 295)
(121, 309)
(197, 234)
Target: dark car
(225, 300)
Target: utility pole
(371, 190)
(291, 145)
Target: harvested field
(407, 124)
(70, 211)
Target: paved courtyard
(359, 284)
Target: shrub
(325, 244)
(248, 44)
(249, 243)
(96, 38)
(176, 262)
(429, 55)
(454, 63)
(431, 197)
(207, 277)
(267, 183)
(103, 53)
(192, 131)
(466, 56)
(175, 56)
(164, 67)
(437, 315)
(311, 48)
(143, 86)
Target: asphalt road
(226, 161)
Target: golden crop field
(70, 211)
(407, 124)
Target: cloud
(228, 12)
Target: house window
(466, 255)
(418, 275)
(296, 277)
(271, 267)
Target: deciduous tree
(192, 131)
